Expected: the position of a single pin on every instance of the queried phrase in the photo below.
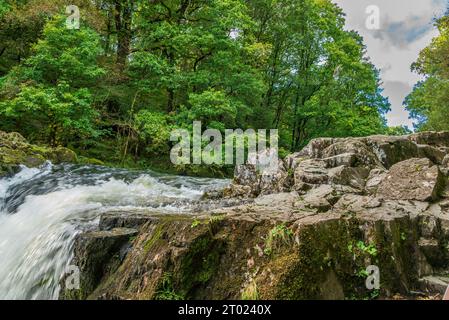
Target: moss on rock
(322, 258)
(15, 151)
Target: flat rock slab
(118, 219)
(413, 179)
(114, 233)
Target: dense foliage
(429, 101)
(135, 70)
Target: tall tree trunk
(297, 102)
(171, 92)
(123, 24)
(109, 30)
(170, 100)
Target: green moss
(15, 151)
(360, 249)
(199, 264)
(155, 237)
(322, 249)
(91, 161)
(279, 235)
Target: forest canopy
(135, 70)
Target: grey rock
(315, 148)
(321, 199)
(274, 180)
(437, 139)
(246, 175)
(374, 179)
(445, 161)
(391, 150)
(413, 179)
(434, 154)
(350, 152)
(312, 171)
(349, 176)
(125, 219)
(95, 254)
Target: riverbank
(15, 151)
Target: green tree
(47, 95)
(319, 79)
(22, 23)
(191, 47)
(429, 101)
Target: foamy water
(42, 210)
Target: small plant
(403, 236)
(362, 273)
(166, 291)
(213, 223)
(363, 248)
(195, 223)
(280, 232)
(374, 294)
(215, 219)
(251, 292)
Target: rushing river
(42, 210)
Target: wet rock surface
(307, 232)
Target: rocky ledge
(15, 151)
(308, 230)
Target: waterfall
(42, 210)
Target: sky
(406, 27)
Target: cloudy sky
(406, 27)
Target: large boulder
(392, 149)
(313, 172)
(319, 199)
(413, 179)
(15, 151)
(315, 148)
(349, 176)
(350, 152)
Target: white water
(42, 211)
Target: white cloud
(406, 27)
